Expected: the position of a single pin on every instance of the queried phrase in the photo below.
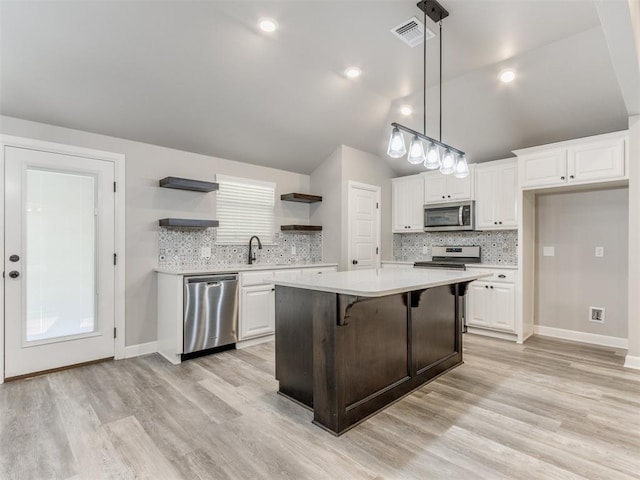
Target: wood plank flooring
(546, 409)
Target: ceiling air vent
(411, 32)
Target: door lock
(14, 274)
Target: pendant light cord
(424, 74)
(440, 87)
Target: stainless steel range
(452, 258)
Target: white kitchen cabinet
(408, 204)
(587, 160)
(496, 200)
(491, 302)
(257, 304)
(439, 188)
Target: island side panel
(436, 332)
(294, 343)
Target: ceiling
(200, 76)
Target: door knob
(14, 274)
(355, 262)
(14, 258)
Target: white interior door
(59, 256)
(364, 226)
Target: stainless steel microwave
(445, 217)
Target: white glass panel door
(59, 273)
(60, 256)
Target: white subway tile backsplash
(496, 246)
(182, 248)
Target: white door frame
(371, 188)
(118, 160)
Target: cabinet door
(478, 304)
(506, 201)
(435, 188)
(459, 188)
(544, 168)
(257, 311)
(416, 204)
(486, 197)
(399, 211)
(596, 161)
(503, 300)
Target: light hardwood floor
(546, 409)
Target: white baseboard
(140, 349)
(491, 333)
(255, 341)
(632, 362)
(592, 338)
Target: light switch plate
(599, 251)
(205, 252)
(548, 251)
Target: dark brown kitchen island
(350, 343)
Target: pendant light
(396, 144)
(431, 161)
(416, 151)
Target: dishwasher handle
(209, 279)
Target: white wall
(326, 180)
(567, 284)
(331, 180)
(146, 203)
(633, 354)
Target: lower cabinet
(257, 300)
(257, 304)
(491, 304)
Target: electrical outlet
(599, 251)
(293, 249)
(205, 252)
(548, 251)
(596, 314)
(425, 250)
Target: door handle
(460, 215)
(355, 262)
(14, 274)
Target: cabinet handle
(502, 276)
(495, 223)
(448, 196)
(500, 223)
(570, 176)
(274, 289)
(491, 286)
(442, 196)
(486, 286)
(561, 178)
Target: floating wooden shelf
(187, 184)
(301, 228)
(187, 222)
(300, 197)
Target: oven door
(449, 216)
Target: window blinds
(244, 208)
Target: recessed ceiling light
(507, 76)
(268, 25)
(353, 72)
(406, 110)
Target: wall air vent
(411, 32)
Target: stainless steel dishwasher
(210, 311)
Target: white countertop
(242, 268)
(378, 282)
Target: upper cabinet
(496, 199)
(439, 188)
(587, 160)
(408, 204)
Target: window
(244, 208)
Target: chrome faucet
(252, 258)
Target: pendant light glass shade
(396, 147)
(448, 163)
(462, 168)
(432, 161)
(416, 151)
